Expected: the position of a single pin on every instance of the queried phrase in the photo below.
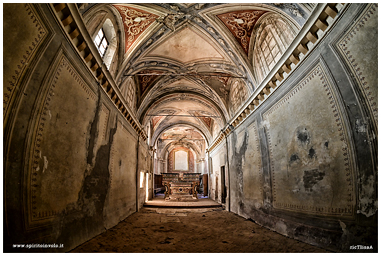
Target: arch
(270, 40)
(178, 96)
(110, 33)
(106, 16)
(158, 132)
(170, 146)
(210, 15)
(171, 166)
(189, 85)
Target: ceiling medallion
(241, 24)
(170, 20)
(135, 22)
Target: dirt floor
(191, 230)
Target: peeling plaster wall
(304, 164)
(70, 158)
(218, 159)
(121, 198)
(145, 166)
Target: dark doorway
(205, 184)
(223, 185)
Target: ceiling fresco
(146, 78)
(135, 21)
(241, 24)
(185, 57)
(186, 46)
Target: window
(274, 36)
(130, 94)
(270, 49)
(237, 95)
(141, 179)
(101, 42)
(181, 161)
(127, 88)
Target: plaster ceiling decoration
(135, 21)
(187, 45)
(181, 134)
(205, 118)
(241, 24)
(156, 120)
(186, 5)
(192, 110)
(176, 85)
(219, 83)
(188, 84)
(147, 78)
(159, 116)
(185, 102)
(184, 136)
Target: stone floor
(191, 230)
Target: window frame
(104, 38)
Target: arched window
(272, 39)
(130, 94)
(106, 42)
(238, 95)
(128, 90)
(103, 21)
(101, 42)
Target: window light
(101, 42)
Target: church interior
(268, 111)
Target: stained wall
(304, 163)
(70, 157)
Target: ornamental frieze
(241, 24)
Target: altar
(181, 186)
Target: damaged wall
(304, 163)
(70, 168)
(218, 159)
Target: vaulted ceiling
(185, 57)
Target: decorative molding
(171, 159)
(35, 172)
(68, 17)
(241, 24)
(146, 78)
(296, 51)
(353, 59)
(219, 139)
(259, 154)
(106, 112)
(30, 51)
(316, 73)
(135, 21)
